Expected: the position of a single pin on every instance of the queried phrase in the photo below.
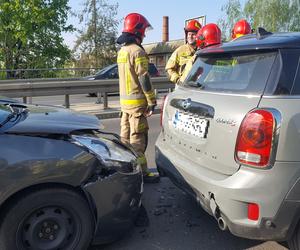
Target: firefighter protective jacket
(178, 60)
(187, 68)
(136, 91)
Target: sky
(154, 10)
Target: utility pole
(95, 33)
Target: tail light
(257, 138)
(162, 110)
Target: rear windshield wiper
(196, 84)
(17, 110)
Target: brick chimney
(165, 29)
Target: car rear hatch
(202, 117)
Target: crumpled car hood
(54, 120)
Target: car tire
(55, 218)
(294, 242)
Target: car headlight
(111, 154)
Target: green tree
(295, 17)
(97, 38)
(30, 34)
(273, 15)
(233, 12)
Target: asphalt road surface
(176, 220)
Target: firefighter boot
(151, 178)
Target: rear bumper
(116, 200)
(278, 215)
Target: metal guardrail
(46, 87)
(46, 72)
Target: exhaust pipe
(222, 224)
(217, 213)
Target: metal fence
(45, 87)
(6, 74)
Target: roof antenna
(261, 33)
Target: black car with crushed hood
(64, 182)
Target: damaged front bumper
(114, 187)
(116, 200)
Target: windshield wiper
(200, 85)
(196, 84)
(16, 111)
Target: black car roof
(271, 41)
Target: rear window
(233, 73)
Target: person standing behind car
(207, 36)
(137, 97)
(241, 28)
(176, 63)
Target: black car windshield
(234, 73)
(11, 114)
(4, 112)
(104, 70)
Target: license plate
(190, 124)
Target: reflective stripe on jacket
(133, 64)
(176, 63)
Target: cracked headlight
(111, 154)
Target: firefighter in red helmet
(137, 97)
(208, 35)
(192, 26)
(136, 24)
(182, 54)
(241, 28)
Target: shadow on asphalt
(177, 222)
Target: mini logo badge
(187, 103)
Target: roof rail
(261, 33)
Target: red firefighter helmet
(210, 34)
(136, 24)
(192, 26)
(241, 28)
